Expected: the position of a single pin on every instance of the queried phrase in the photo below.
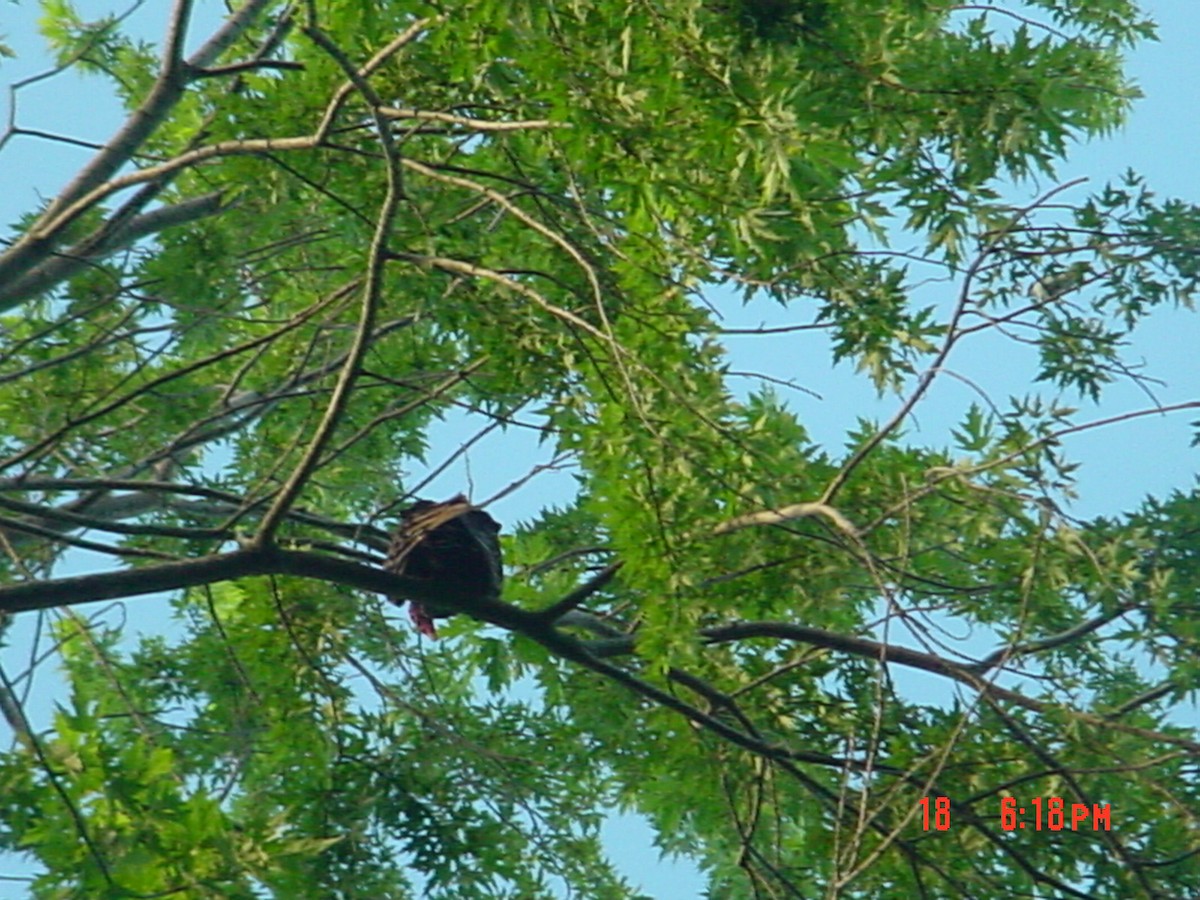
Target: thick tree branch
(104, 242)
(162, 97)
(270, 560)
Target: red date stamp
(1041, 814)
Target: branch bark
(104, 242)
(168, 88)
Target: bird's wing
(417, 522)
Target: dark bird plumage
(453, 547)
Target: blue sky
(1122, 463)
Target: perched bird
(453, 547)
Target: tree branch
(103, 242)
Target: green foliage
(579, 191)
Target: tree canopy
(327, 227)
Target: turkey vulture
(451, 545)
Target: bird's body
(453, 547)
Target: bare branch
(366, 323)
